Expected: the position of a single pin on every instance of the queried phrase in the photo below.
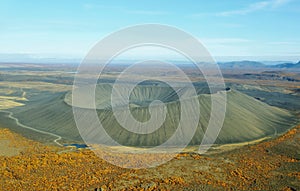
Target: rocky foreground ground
(269, 165)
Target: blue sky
(241, 29)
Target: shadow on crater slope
(246, 118)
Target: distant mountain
(242, 64)
(287, 65)
(257, 65)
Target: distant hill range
(257, 65)
(287, 65)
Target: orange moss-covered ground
(270, 165)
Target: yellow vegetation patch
(7, 102)
(43, 86)
(41, 167)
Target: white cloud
(284, 43)
(227, 46)
(224, 40)
(255, 7)
(231, 25)
(88, 6)
(278, 3)
(249, 9)
(146, 12)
